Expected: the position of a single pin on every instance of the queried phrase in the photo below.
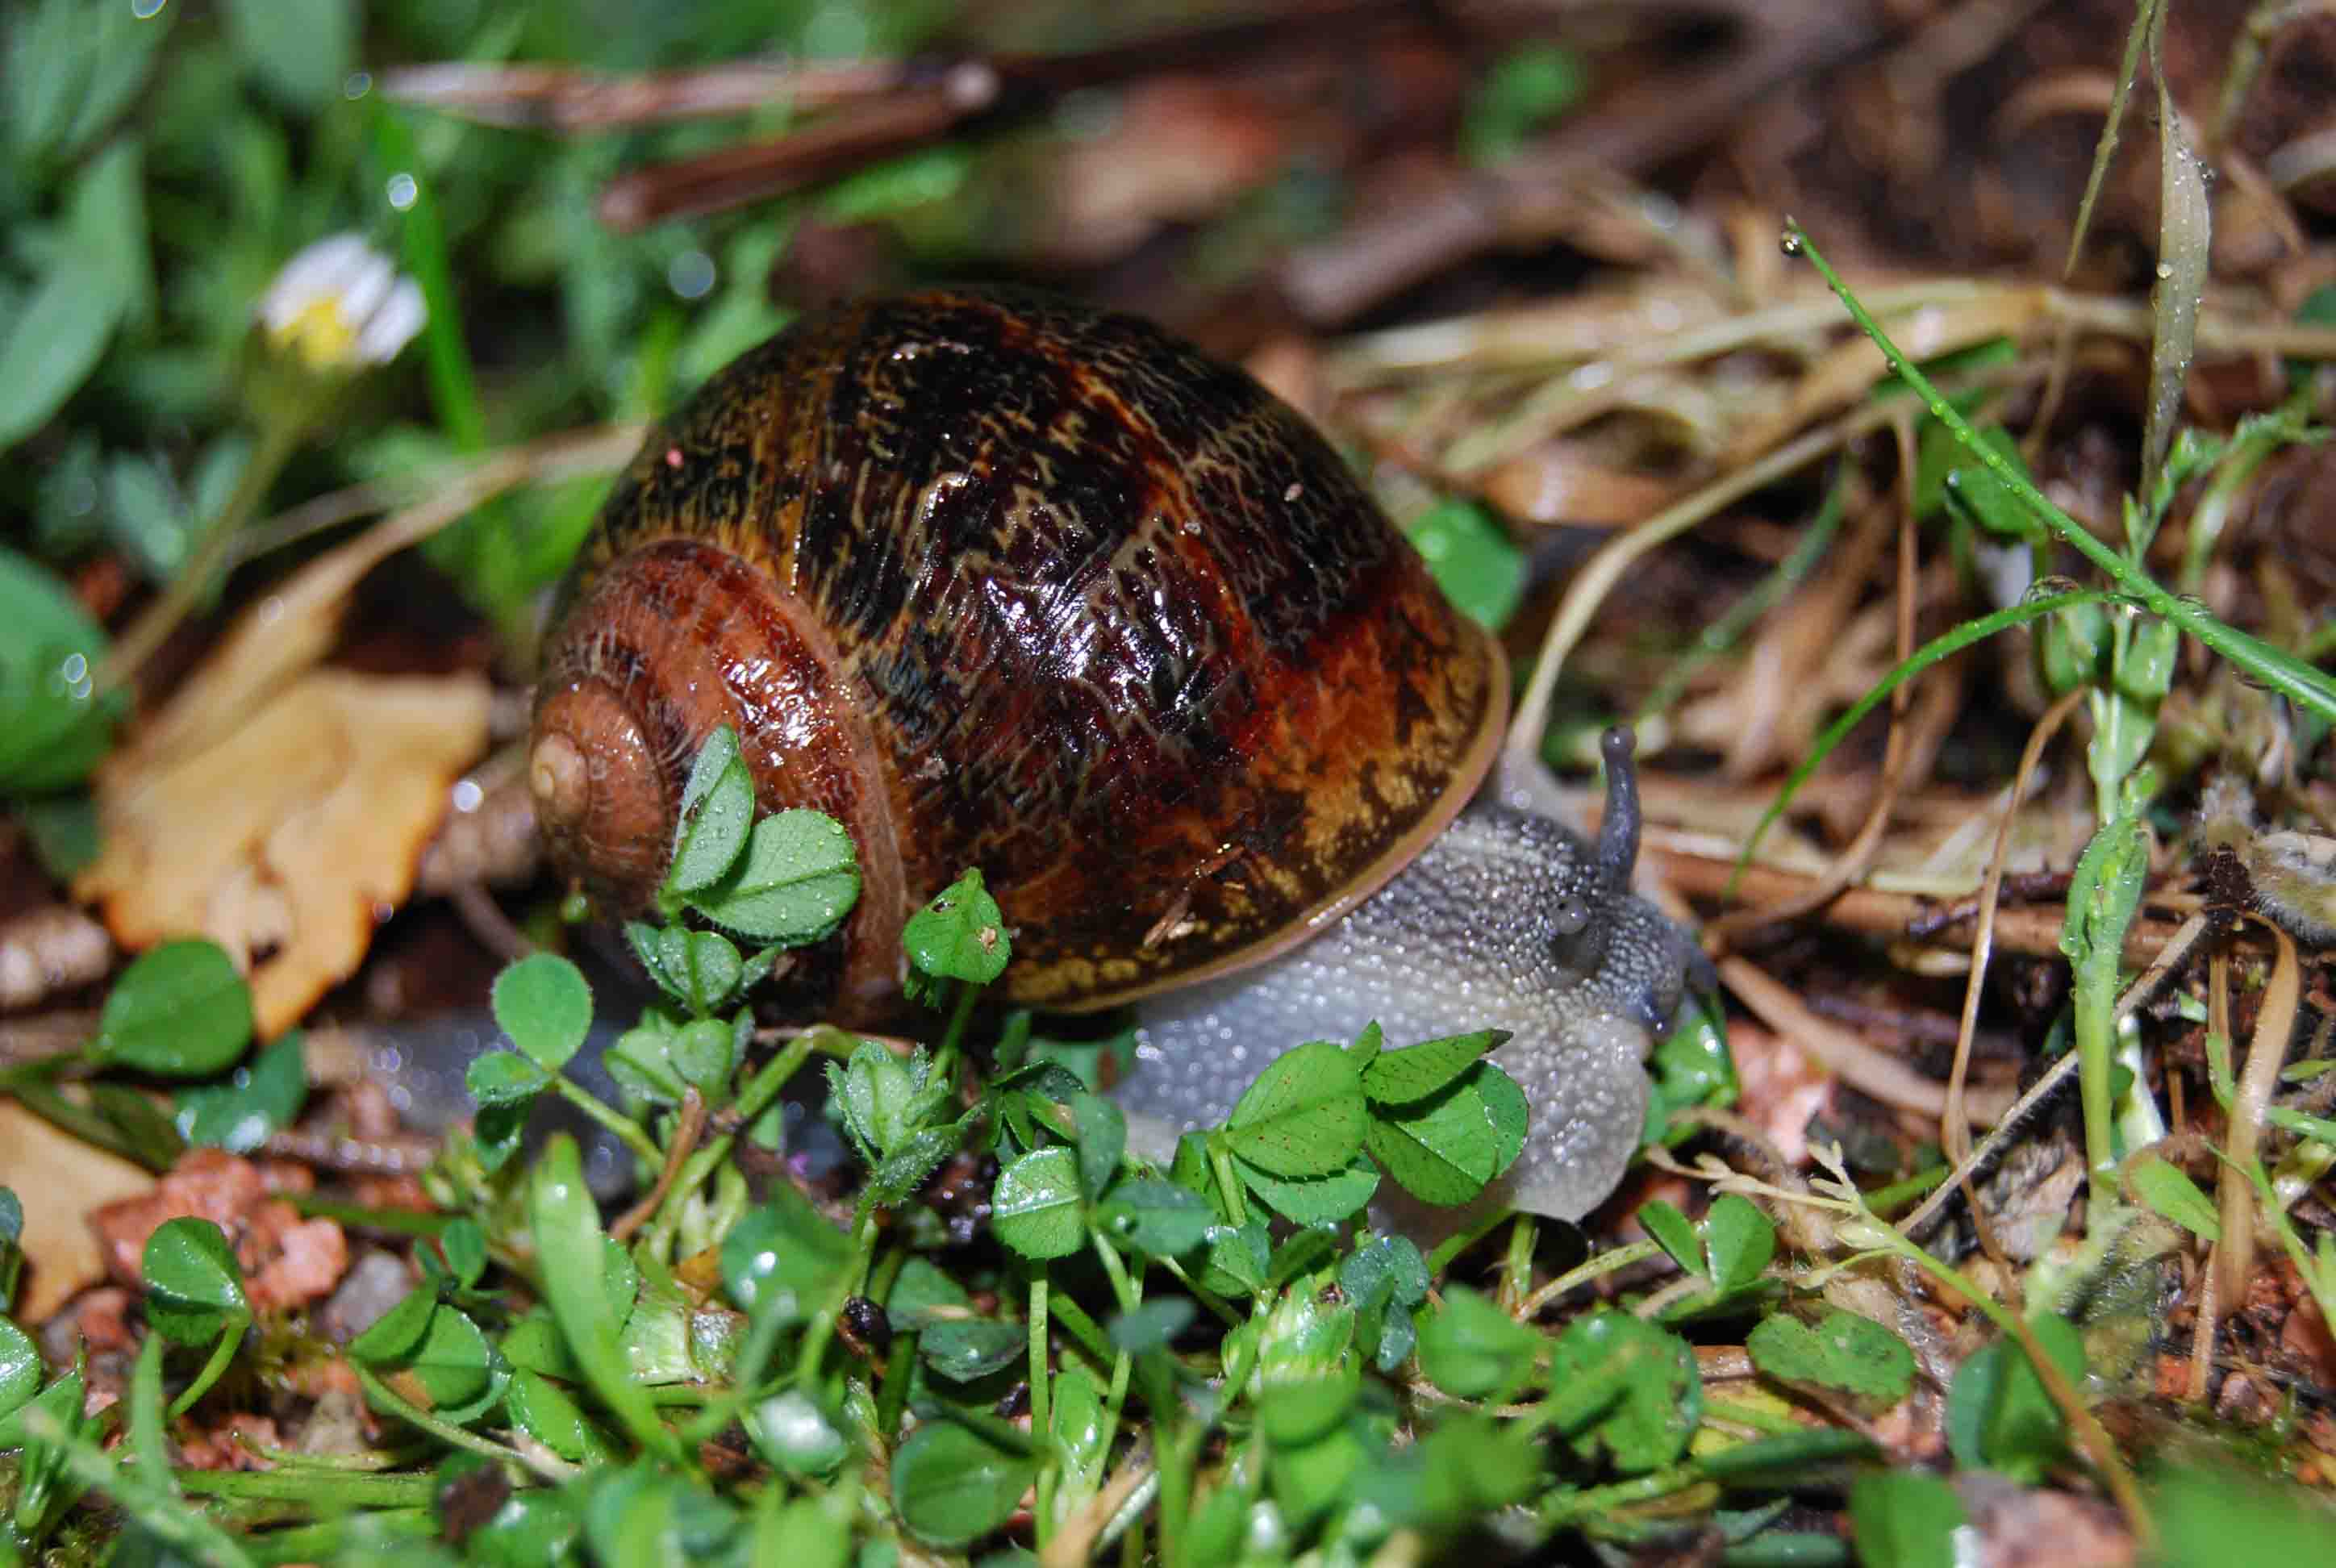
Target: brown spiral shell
(1001, 580)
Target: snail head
(1607, 875)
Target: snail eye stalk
(1618, 833)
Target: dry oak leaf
(286, 836)
(61, 1178)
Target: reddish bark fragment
(230, 1444)
(104, 1319)
(286, 1260)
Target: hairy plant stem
(2282, 672)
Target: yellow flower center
(320, 335)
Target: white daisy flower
(340, 305)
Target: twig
(567, 455)
(688, 1129)
(1941, 705)
(332, 577)
(1526, 199)
(2235, 1254)
(486, 921)
(779, 166)
(2201, 1337)
(556, 98)
(1701, 872)
(489, 836)
(880, 108)
(45, 1034)
(395, 1156)
(1845, 1054)
(1954, 1133)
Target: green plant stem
(41, 1069)
(1041, 1378)
(1579, 1401)
(751, 1101)
(1573, 1279)
(1178, 1454)
(1945, 644)
(285, 423)
(337, 1490)
(669, 1396)
(627, 1131)
(319, 1543)
(2316, 1279)
(1570, 1506)
(1769, 1423)
(358, 1216)
(1082, 1328)
(147, 1454)
(2230, 479)
(1882, 1200)
(2096, 1091)
(822, 1323)
(732, 1198)
(446, 358)
(968, 995)
(2282, 672)
(370, 1462)
(1453, 1246)
(892, 1392)
(1123, 1285)
(1042, 1395)
(221, 1354)
(1217, 1305)
(1229, 1184)
(1738, 619)
(385, 1398)
(1130, 1296)
(453, 391)
(768, 1080)
(1516, 1272)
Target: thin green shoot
(2280, 672)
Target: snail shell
(1003, 581)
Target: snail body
(1003, 581)
(1507, 921)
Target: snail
(1005, 581)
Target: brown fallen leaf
(286, 837)
(61, 1257)
(280, 808)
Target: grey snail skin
(1507, 921)
(1002, 581)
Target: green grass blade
(2279, 672)
(1922, 658)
